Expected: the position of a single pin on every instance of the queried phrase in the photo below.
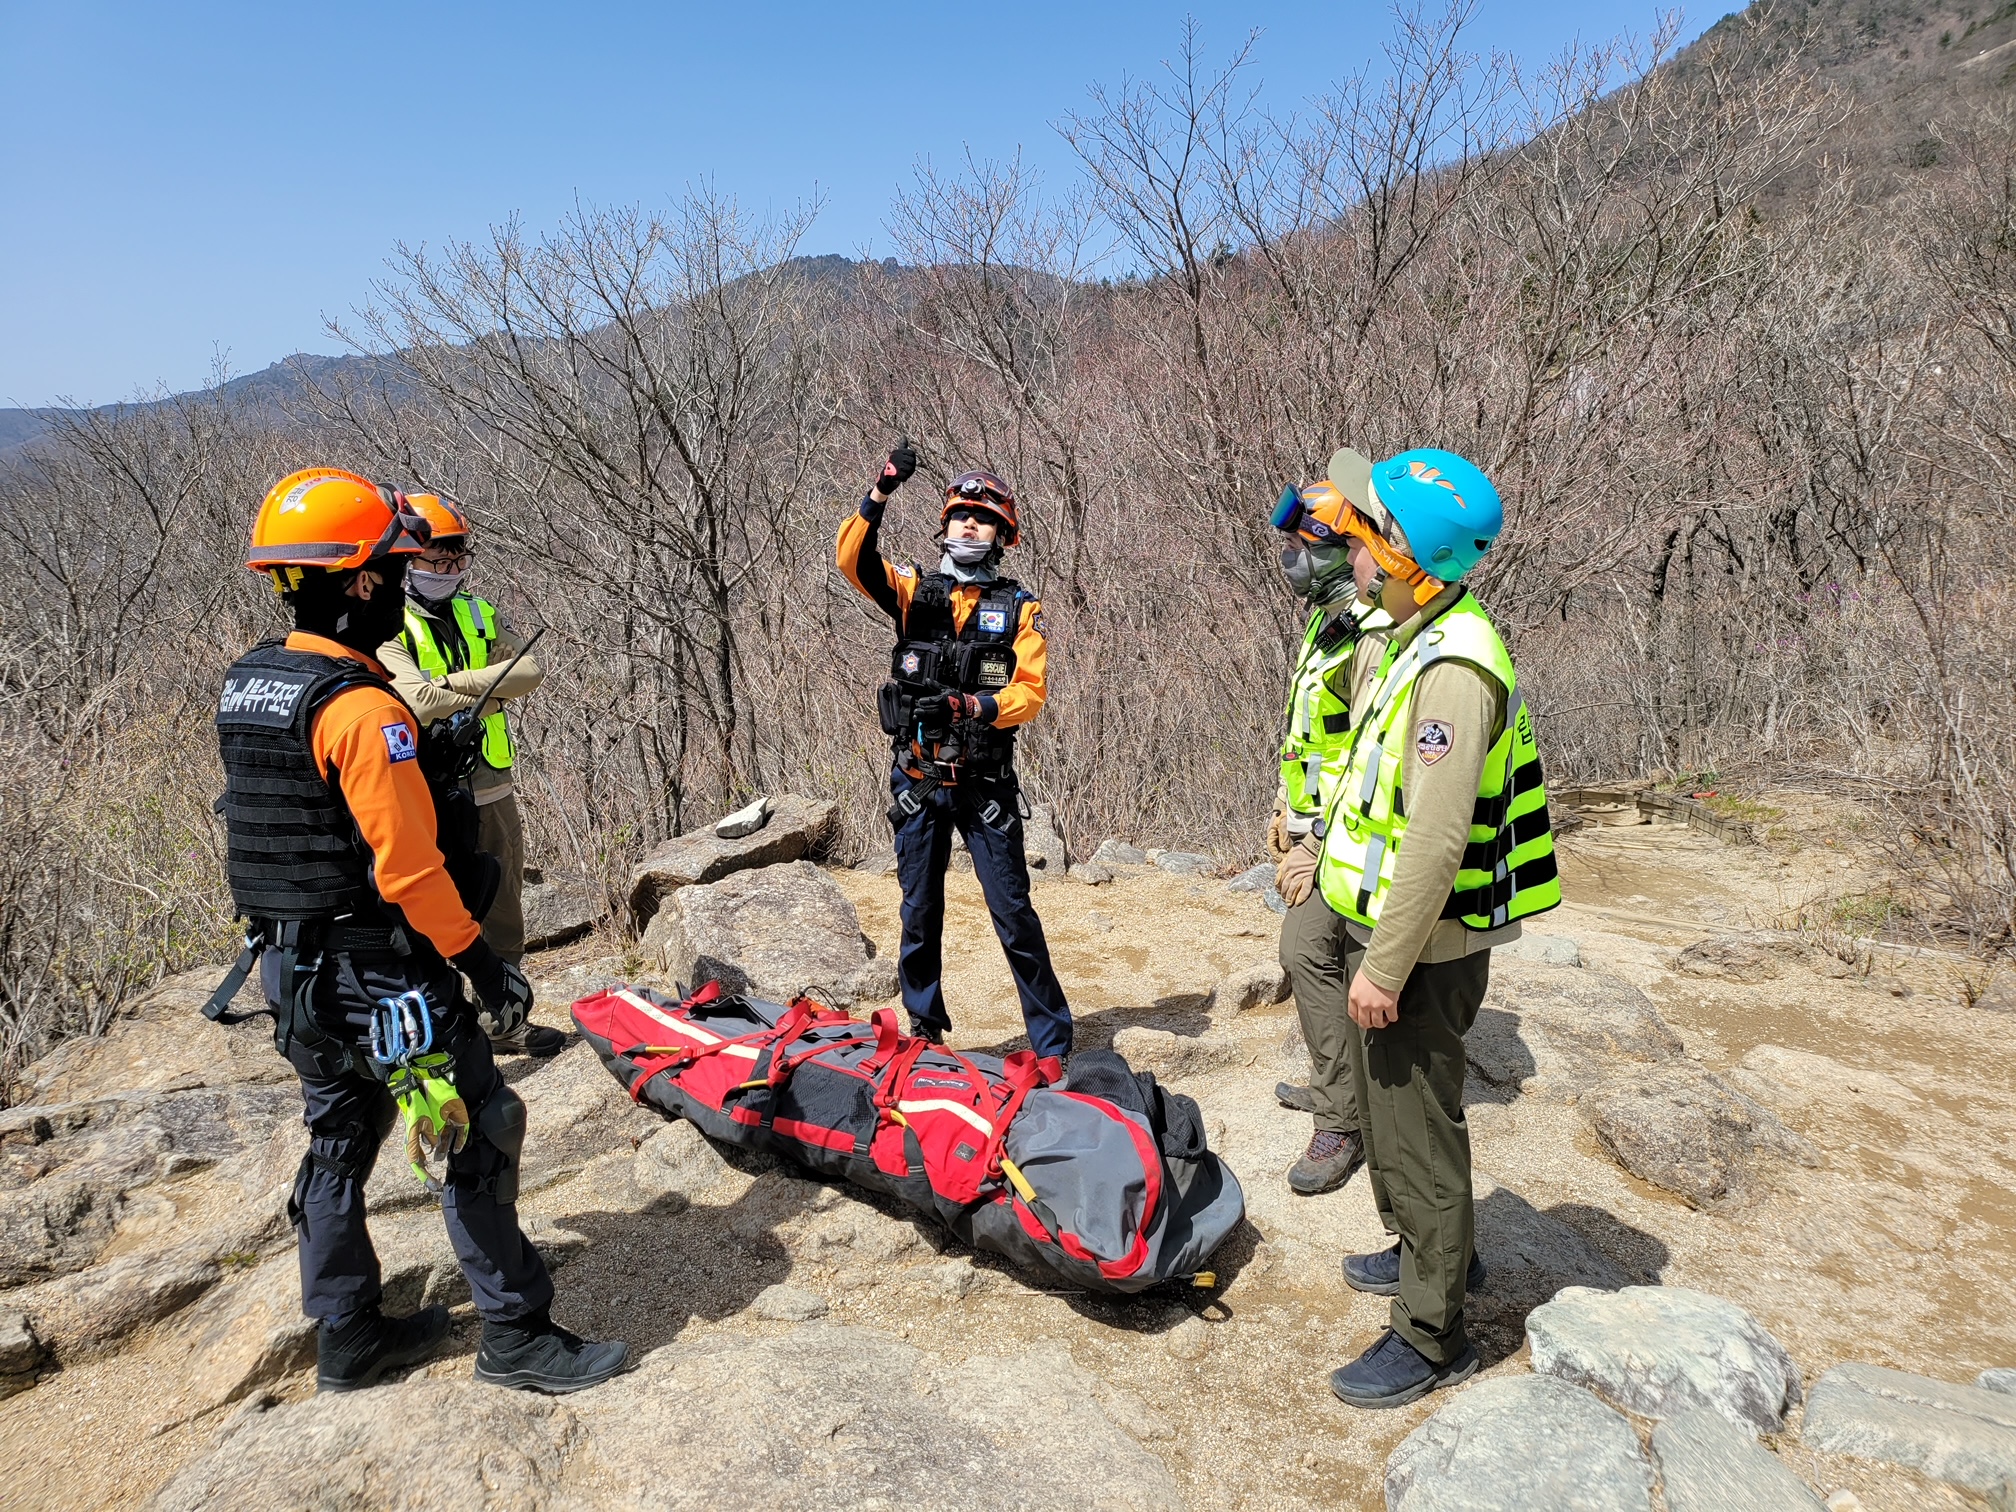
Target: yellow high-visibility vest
(1319, 716)
(476, 622)
(1508, 870)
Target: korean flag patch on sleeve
(400, 742)
(1433, 740)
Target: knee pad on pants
(355, 1153)
(501, 1121)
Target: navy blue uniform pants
(988, 813)
(350, 1114)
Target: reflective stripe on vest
(1508, 868)
(476, 622)
(1318, 719)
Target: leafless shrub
(1754, 444)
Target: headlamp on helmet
(987, 493)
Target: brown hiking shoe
(1328, 1162)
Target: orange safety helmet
(328, 518)
(987, 492)
(445, 515)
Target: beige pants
(500, 832)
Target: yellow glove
(1295, 877)
(437, 1120)
(1277, 832)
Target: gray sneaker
(1328, 1162)
(1290, 1095)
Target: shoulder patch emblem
(1433, 739)
(993, 621)
(400, 744)
(906, 572)
(1036, 622)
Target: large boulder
(1521, 1444)
(1959, 1434)
(801, 1418)
(69, 1172)
(158, 1042)
(1707, 1464)
(1680, 1126)
(100, 1310)
(797, 827)
(1549, 950)
(560, 909)
(775, 932)
(1660, 1351)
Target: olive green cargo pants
(501, 832)
(1409, 1080)
(1313, 943)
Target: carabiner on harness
(421, 1081)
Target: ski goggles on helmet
(1291, 513)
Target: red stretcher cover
(1107, 1185)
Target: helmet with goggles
(983, 493)
(324, 517)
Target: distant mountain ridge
(1914, 72)
(287, 381)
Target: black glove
(947, 707)
(500, 985)
(902, 462)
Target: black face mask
(322, 607)
(367, 626)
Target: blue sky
(184, 179)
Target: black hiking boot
(931, 1034)
(1379, 1273)
(536, 1354)
(363, 1349)
(1301, 1099)
(1393, 1373)
(535, 1040)
(1328, 1162)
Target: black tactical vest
(294, 850)
(936, 656)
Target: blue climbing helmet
(1443, 504)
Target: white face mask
(969, 553)
(432, 587)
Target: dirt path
(1899, 1248)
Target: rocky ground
(1670, 1094)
